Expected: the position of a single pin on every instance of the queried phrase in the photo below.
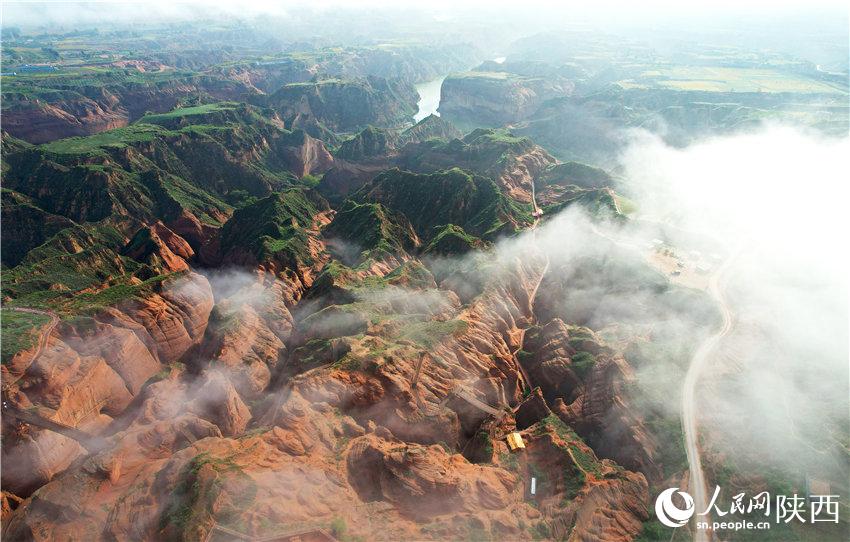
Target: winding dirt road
(697, 484)
(697, 487)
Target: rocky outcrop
(246, 335)
(518, 175)
(99, 108)
(65, 387)
(345, 178)
(431, 127)
(305, 155)
(280, 237)
(39, 121)
(454, 196)
(547, 361)
(360, 159)
(360, 231)
(494, 98)
(163, 476)
(347, 441)
(368, 144)
(217, 401)
(613, 510)
(345, 106)
(133, 338)
(160, 248)
(190, 228)
(571, 182)
(170, 321)
(532, 409)
(92, 369)
(611, 425)
(270, 76)
(426, 482)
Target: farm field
(727, 79)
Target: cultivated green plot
(723, 79)
(120, 137)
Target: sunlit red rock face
(339, 443)
(308, 157)
(222, 441)
(594, 404)
(43, 122)
(266, 381)
(91, 370)
(103, 108)
(160, 246)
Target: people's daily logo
(745, 513)
(668, 513)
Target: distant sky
(27, 13)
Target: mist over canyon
(312, 272)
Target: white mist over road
(697, 484)
(781, 194)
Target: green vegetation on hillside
(20, 331)
(453, 240)
(371, 229)
(75, 203)
(431, 127)
(368, 143)
(92, 303)
(203, 110)
(429, 334)
(482, 151)
(345, 105)
(273, 228)
(448, 197)
(55, 271)
(99, 143)
(200, 483)
(578, 174)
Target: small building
(36, 68)
(515, 441)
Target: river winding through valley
(429, 98)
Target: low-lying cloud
(778, 196)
